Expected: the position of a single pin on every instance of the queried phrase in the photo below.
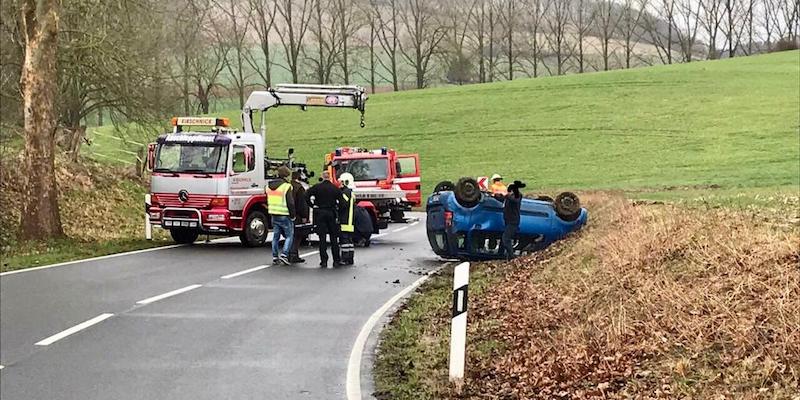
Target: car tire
(397, 216)
(256, 229)
(444, 186)
(468, 193)
(568, 206)
(184, 236)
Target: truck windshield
(367, 169)
(191, 157)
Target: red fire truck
(387, 183)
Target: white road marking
(92, 259)
(74, 329)
(168, 294)
(1, 367)
(309, 254)
(412, 224)
(247, 271)
(400, 229)
(354, 365)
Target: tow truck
(387, 183)
(213, 182)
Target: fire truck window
(408, 166)
(370, 169)
(242, 163)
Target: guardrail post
(458, 329)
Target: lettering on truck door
(408, 177)
(245, 179)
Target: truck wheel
(397, 216)
(568, 206)
(255, 229)
(468, 193)
(443, 186)
(184, 236)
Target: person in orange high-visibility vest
(280, 205)
(498, 187)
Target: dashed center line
(168, 294)
(401, 229)
(74, 329)
(247, 271)
(413, 223)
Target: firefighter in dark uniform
(324, 198)
(301, 214)
(511, 211)
(346, 218)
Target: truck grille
(195, 200)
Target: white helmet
(496, 177)
(346, 179)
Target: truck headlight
(155, 215)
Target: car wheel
(255, 229)
(568, 206)
(444, 186)
(184, 236)
(397, 216)
(468, 193)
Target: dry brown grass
(650, 301)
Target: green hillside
(732, 123)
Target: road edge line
(353, 380)
(73, 330)
(65, 263)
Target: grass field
(732, 123)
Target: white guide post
(458, 329)
(148, 228)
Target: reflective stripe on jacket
(276, 199)
(346, 216)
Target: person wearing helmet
(498, 187)
(346, 215)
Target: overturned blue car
(465, 223)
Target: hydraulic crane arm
(303, 96)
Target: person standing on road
(280, 204)
(301, 216)
(511, 209)
(324, 199)
(346, 218)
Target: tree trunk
(40, 218)
(76, 135)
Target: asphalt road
(273, 333)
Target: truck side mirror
(397, 168)
(151, 156)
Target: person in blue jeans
(281, 208)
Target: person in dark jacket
(347, 218)
(511, 209)
(280, 205)
(324, 198)
(302, 215)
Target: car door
(244, 179)
(408, 177)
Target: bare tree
(710, 20)
(40, 217)
(425, 33)
(233, 32)
(688, 20)
(732, 24)
(205, 71)
(630, 26)
(537, 9)
(184, 37)
(294, 19)
(388, 32)
(350, 21)
(557, 33)
(607, 21)
(262, 14)
(460, 16)
(508, 15)
(492, 21)
(324, 29)
(582, 18)
(664, 16)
